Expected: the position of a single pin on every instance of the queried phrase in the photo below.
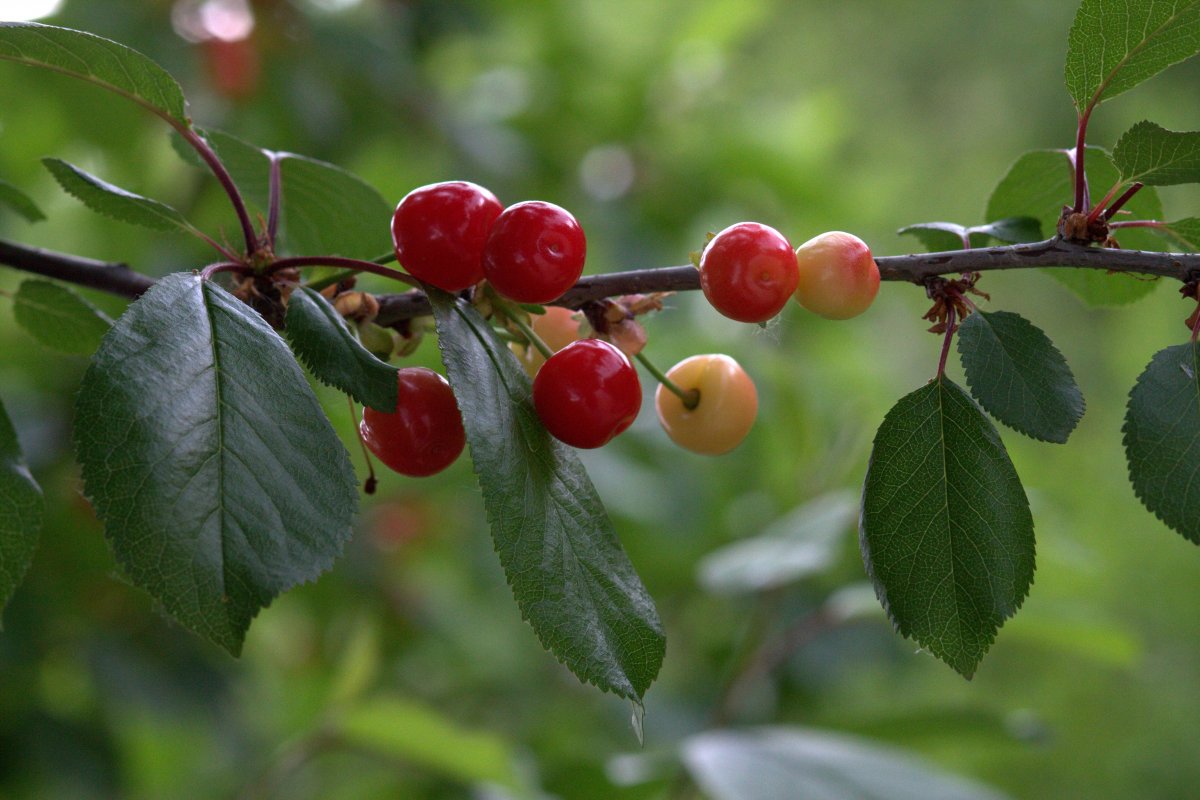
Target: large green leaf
(58, 317)
(568, 572)
(1040, 183)
(774, 763)
(1019, 376)
(206, 454)
(21, 512)
(323, 341)
(1116, 44)
(18, 201)
(115, 202)
(1158, 157)
(96, 60)
(1162, 438)
(946, 533)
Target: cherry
(424, 434)
(587, 393)
(535, 252)
(748, 272)
(558, 327)
(439, 231)
(728, 404)
(838, 277)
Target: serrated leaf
(945, 532)
(323, 341)
(21, 511)
(570, 577)
(776, 762)
(1116, 44)
(113, 201)
(1156, 156)
(1162, 438)
(18, 201)
(1187, 231)
(1019, 376)
(205, 453)
(58, 317)
(937, 236)
(1040, 183)
(97, 60)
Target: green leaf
(21, 510)
(568, 572)
(59, 318)
(936, 236)
(113, 201)
(1013, 230)
(1040, 183)
(323, 341)
(775, 762)
(941, 236)
(1116, 44)
(1158, 157)
(20, 202)
(98, 61)
(1162, 438)
(1017, 374)
(205, 453)
(946, 533)
(1187, 231)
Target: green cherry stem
(523, 326)
(690, 397)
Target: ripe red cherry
(439, 231)
(748, 271)
(535, 252)
(587, 393)
(424, 434)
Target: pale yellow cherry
(728, 404)
(838, 277)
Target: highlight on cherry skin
(424, 435)
(748, 271)
(725, 413)
(558, 327)
(439, 232)
(838, 277)
(535, 252)
(587, 393)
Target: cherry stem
(213, 269)
(371, 481)
(951, 318)
(351, 265)
(689, 397)
(333, 280)
(274, 200)
(1138, 223)
(526, 331)
(1123, 199)
(1098, 209)
(1081, 188)
(226, 180)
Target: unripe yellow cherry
(838, 277)
(558, 327)
(726, 411)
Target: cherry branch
(107, 276)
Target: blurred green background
(406, 671)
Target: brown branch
(109, 277)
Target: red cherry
(424, 434)
(748, 271)
(439, 231)
(535, 252)
(587, 393)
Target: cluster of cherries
(454, 235)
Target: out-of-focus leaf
(113, 201)
(1156, 156)
(58, 317)
(937, 236)
(21, 510)
(18, 201)
(1186, 231)
(941, 236)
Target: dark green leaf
(941, 236)
(1040, 183)
(568, 572)
(325, 344)
(205, 453)
(59, 318)
(1158, 157)
(937, 236)
(18, 201)
(946, 533)
(21, 512)
(1187, 231)
(96, 60)
(115, 202)
(1017, 374)
(1013, 230)
(1116, 44)
(1162, 438)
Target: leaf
(1017, 374)
(1162, 438)
(1038, 185)
(21, 511)
(1116, 44)
(946, 533)
(1187, 231)
(1156, 156)
(937, 236)
(21, 203)
(113, 201)
(941, 236)
(1013, 230)
(570, 577)
(323, 341)
(98, 61)
(59, 318)
(769, 763)
(205, 453)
